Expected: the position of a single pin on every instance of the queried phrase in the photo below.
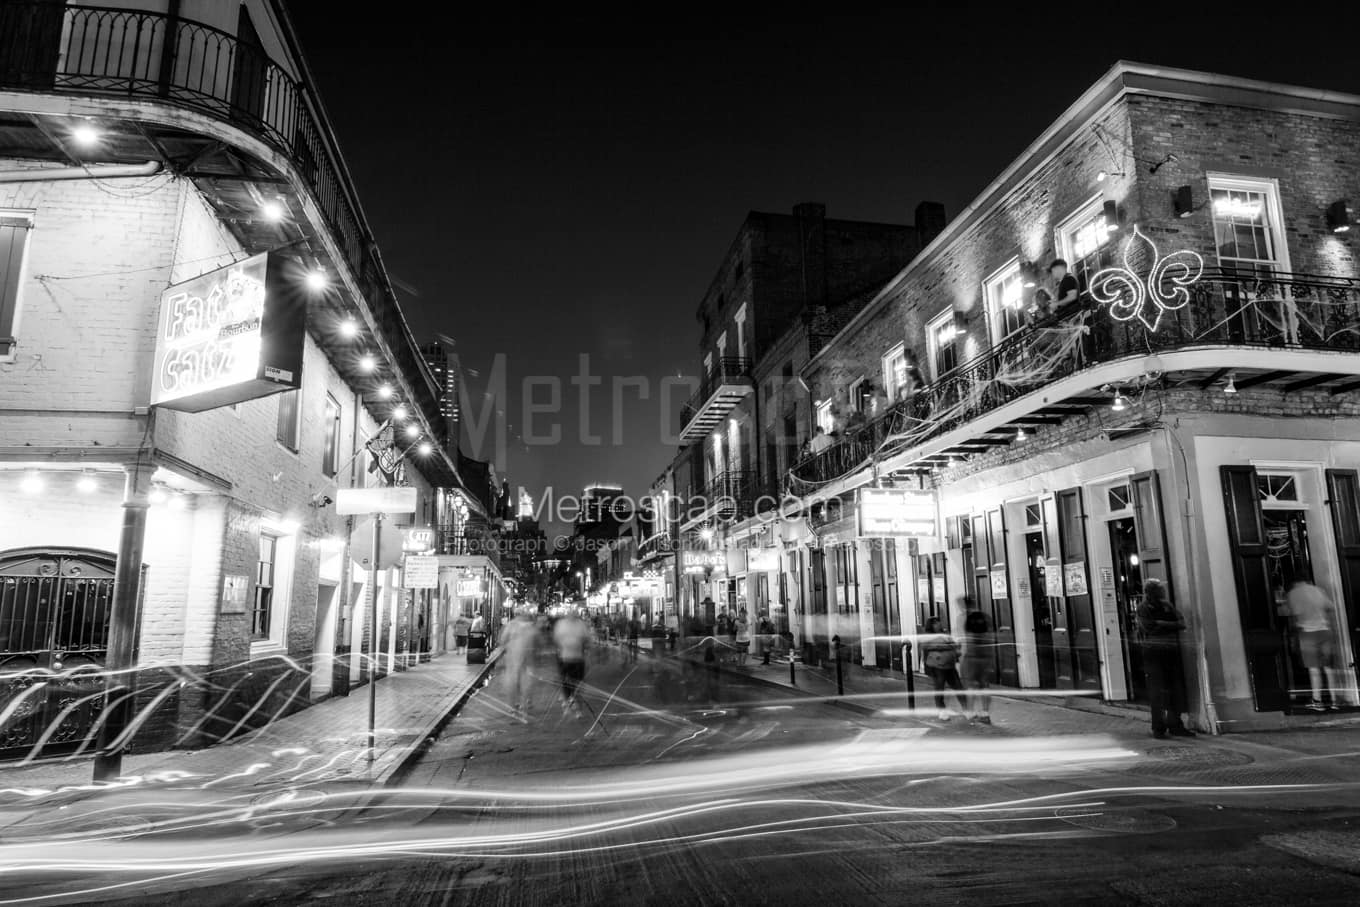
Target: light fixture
(384, 391)
(1338, 217)
(1029, 275)
(1230, 387)
(1118, 406)
(32, 483)
(398, 413)
(272, 210)
(158, 496)
(413, 430)
(1183, 202)
(317, 280)
(87, 483)
(1020, 433)
(85, 135)
(424, 448)
(178, 502)
(367, 363)
(349, 328)
(706, 534)
(1111, 213)
(1133, 560)
(1100, 176)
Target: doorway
(1289, 559)
(1043, 611)
(1128, 592)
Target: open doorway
(1128, 591)
(1043, 610)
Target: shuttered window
(13, 241)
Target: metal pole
(840, 680)
(373, 636)
(120, 683)
(911, 675)
(792, 681)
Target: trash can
(476, 648)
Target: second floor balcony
(722, 389)
(1292, 332)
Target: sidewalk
(324, 742)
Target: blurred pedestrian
(634, 628)
(742, 637)
(461, 625)
(1159, 627)
(979, 657)
(766, 631)
(940, 658)
(1314, 619)
(710, 672)
(521, 639)
(570, 635)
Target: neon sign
(1146, 295)
(895, 512)
(227, 336)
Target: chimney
(930, 221)
(812, 239)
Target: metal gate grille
(54, 631)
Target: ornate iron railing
(727, 370)
(47, 46)
(1294, 311)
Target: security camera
(320, 499)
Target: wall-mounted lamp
(1338, 217)
(1111, 212)
(1103, 175)
(1020, 433)
(1119, 405)
(1183, 202)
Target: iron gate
(54, 633)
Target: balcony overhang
(1291, 370)
(722, 401)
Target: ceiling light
(349, 328)
(85, 135)
(158, 496)
(398, 412)
(1118, 406)
(31, 483)
(272, 210)
(424, 448)
(367, 363)
(413, 430)
(384, 391)
(178, 502)
(317, 280)
(706, 534)
(87, 483)
(1100, 177)
(1020, 433)
(1230, 387)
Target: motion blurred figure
(940, 657)
(570, 634)
(1159, 627)
(976, 665)
(521, 638)
(1312, 610)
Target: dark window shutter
(1150, 526)
(1080, 609)
(13, 237)
(1343, 494)
(1001, 613)
(1255, 602)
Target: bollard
(911, 675)
(840, 680)
(792, 682)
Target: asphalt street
(663, 790)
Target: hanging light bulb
(1020, 433)
(425, 448)
(1119, 405)
(1231, 386)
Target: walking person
(940, 658)
(461, 626)
(521, 639)
(1159, 627)
(979, 657)
(633, 629)
(742, 637)
(1312, 613)
(569, 635)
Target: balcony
(158, 63)
(720, 392)
(1289, 331)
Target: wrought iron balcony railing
(1284, 311)
(155, 56)
(728, 371)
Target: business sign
(762, 560)
(701, 561)
(470, 588)
(420, 571)
(230, 335)
(356, 501)
(417, 540)
(235, 593)
(896, 512)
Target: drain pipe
(100, 172)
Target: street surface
(654, 795)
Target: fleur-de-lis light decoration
(1164, 287)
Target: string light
(398, 413)
(413, 430)
(424, 448)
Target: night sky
(553, 188)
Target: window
(14, 227)
(846, 580)
(708, 363)
(288, 420)
(741, 268)
(1118, 498)
(1275, 487)
(1084, 241)
(261, 615)
(859, 396)
(1005, 302)
(741, 331)
(330, 451)
(722, 345)
(895, 371)
(1246, 225)
(825, 418)
(942, 336)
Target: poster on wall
(937, 586)
(1075, 577)
(1053, 580)
(922, 589)
(421, 571)
(999, 589)
(235, 593)
(230, 335)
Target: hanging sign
(1074, 575)
(235, 593)
(701, 561)
(895, 512)
(417, 540)
(420, 571)
(761, 560)
(1148, 285)
(470, 588)
(230, 335)
(397, 499)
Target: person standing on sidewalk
(570, 634)
(940, 658)
(979, 654)
(742, 637)
(633, 629)
(1159, 627)
(461, 625)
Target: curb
(396, 772)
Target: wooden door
(1262, 629)
(1343, 495)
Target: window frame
(258, 634)
(856, 398)
(330, 444)
(933, 347)
(1065, 235)
(721, 346)
(281, 599)
(740, 321)
(708, 363)
(896, 353)
(20, 275)
(296, 429)
(823, 415)
(991, 288)
(1270, 188)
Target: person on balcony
(1066, 289)
(820, 441)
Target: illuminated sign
(421, 571)
(702, 561)
(229, 335)
(470, 588)
(1148, 285)
(398, 499)
(761, 560)
(417, 540)
(896, 512)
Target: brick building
(150, 487)
(1189, 415)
